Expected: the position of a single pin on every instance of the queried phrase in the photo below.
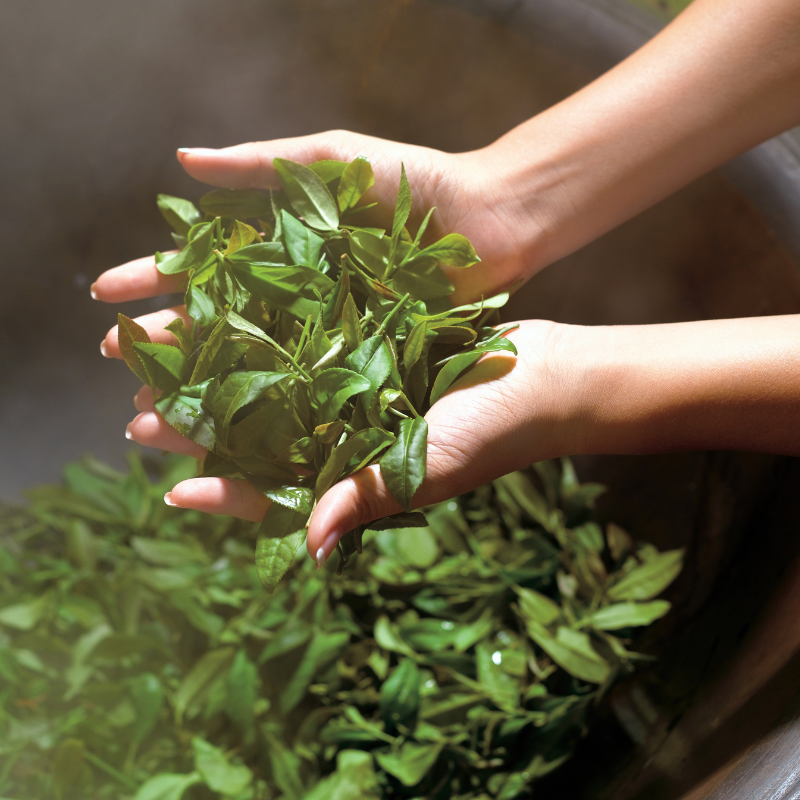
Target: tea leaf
(356, 179)
(411, 763)
(282, 532)
(628, 615)
(192, 256)
(180, 214)
(648, 579)
(217, 772)
(164, 363)
(403, 465)
(167, 786)
(399, 698)
(302, 244)
(308, 195)
(131, 332)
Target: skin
(720, 79)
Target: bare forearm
(721, 384)
(724, 76)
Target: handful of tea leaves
(316, 345)
(140, 657)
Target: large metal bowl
(97, 97)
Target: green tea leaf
(411, 763)
(239, 390)
(236, 203)
(403, 465)
(199, 306)
(281, 533)
(537, 607)
(351, 327)
(167, 786)
(241, 236)
(628, 615)
(322, 650)
(180, 214)
(328, 170)
(332, 388)
(181, 333)
(217, 772)
(67, 765)
(189, 418)
(131, 332)
(456, 365)
(422, 280)
(308, 195)
(356, 179)
(192, 256)
(371, 251)
(572, 651)
(209, 668)
(648, 579)
(292, 289)
(164, 363)
(401, 210)
(454, 250)
(147, 694)
(399, 698)
(242, 691)
(24, 616)
(373, 359)
(362, 447)
(302, 244)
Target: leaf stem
(109, 770)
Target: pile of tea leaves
(141, 658)
(316, 346)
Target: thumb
(355, 501)
(249, 166)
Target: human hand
(503, 414)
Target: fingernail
(93, 291)
(196, 150)
(169, 501)
(136, 401)
(324, 552)
(128, 434)
(103, 348)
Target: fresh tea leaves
(458, 659)
(304, 324)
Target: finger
(220, 496)
(136, 280)
(144, 401)
(154, 324)
(151, 430)
(249, 165)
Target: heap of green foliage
(140, 657)
(316, 345)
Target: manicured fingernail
(128, 434)
(328, 546)
(136, 401)
(103, 348)
(93, 291)
(196, 150)
(169, 501)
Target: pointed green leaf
(403, 465)
(164, 363)
(650, 578)
(302, 244)
(238, 390)
(192, 256)
(130, 332)
(281, 533)
(218, 773)
(308, 195)
(628, 615)
(181, 214)
(399, 696)
(241, 236)
(166, 786)
(453, 250)
(332, 388)
(356, 180)
(374, 360)
(411, 763)
(455, 366)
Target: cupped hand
(503, 414)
